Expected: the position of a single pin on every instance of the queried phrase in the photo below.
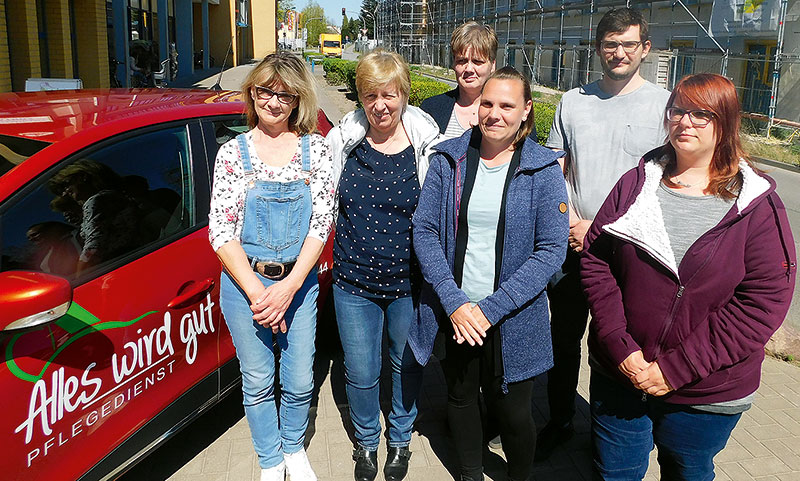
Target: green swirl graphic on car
(77, 321)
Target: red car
(110, 321)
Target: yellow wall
(23, 42)
(59, 40)
(221, 25)
(92, 43)
(263, 27)
(5, 62)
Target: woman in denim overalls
(271, 212)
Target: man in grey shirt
(605, 128)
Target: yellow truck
(330, 44)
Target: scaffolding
(552, 41)
(404, 28)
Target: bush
(343, 72)
(340, 72)
(307, 55)
(424, 87)
(543, 115)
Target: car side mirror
(32, 298)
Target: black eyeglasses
(698, 118)
(265, 93)
(628, 47)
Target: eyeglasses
(698, 118)
(264, 93)
(628, 47)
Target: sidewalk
(764, 446)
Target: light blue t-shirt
(483, 214)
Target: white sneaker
(275, 473)
(298, 467)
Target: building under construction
(753, 42)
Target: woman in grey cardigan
(489, 231)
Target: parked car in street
(110, 324)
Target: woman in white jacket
(379, 166)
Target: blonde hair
(481, 38)
(381, 67)
(291, 72)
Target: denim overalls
(276, 222)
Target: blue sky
(333, 8)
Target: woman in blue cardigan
(489, 231)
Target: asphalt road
(789, 189)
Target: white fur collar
(643, 223)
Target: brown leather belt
(271, 270)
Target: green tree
(313, 19)
(368, 16)
(345, 28)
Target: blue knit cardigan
(537, 226)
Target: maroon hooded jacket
(706, 321)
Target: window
(225, 130)
(101, 206)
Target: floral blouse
(228, 194)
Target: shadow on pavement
(191, 441)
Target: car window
(225, 130)
(101, 206)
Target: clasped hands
(270, 305)
(644, 375)
(469, 324)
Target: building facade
(552, 41)
(92, 40)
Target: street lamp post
(305, 25)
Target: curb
(776, 164)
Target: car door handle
(190, 293)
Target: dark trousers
(569, 313)
(468, 371)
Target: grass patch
(786, 151)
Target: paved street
(764, 446)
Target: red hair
(716, 94)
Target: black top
(372, 248)
(440, 107)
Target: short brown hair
(716, 94)
(289, 70)
(510, 73)
(381, 67)
(618, 20)
(481, 38)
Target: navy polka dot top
(377, 197)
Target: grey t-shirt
(605, 136)
(687, 217)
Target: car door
(135, 353)
(218, 131)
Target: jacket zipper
(504, 386)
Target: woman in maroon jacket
(689, 269)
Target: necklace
(682, 184)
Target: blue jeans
(625, 426)
(274, 435)
(361, 323)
